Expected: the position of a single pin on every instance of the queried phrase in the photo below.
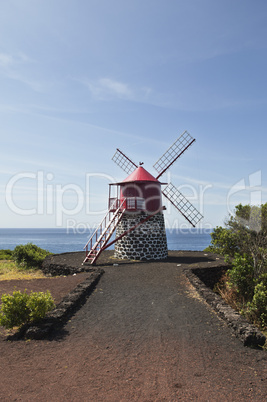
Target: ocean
(66, 240)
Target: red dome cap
(140, 174)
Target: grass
(9, 270)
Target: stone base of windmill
(147, 242)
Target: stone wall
(147, 242)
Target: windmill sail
(124, 162)
(179, 201)
(172, 154)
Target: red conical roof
(140, 174)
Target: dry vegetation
(9, 270)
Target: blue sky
(80, 78)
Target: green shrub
(6, 254)
(257, 308)
(21, 308)
(223, 242)
(263, 279)
(241, 276)
(243, 243)
(29, 255)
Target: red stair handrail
(102, 224)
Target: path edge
(248, 334)
(63, 310)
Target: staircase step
(106, 229)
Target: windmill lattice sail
(182, 204)
(124, 162)
(172, 154)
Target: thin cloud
(114, 87)
(11, 60)
(9, 67)
(6, 60)
(37, 86)
(106, 89)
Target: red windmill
(136, 211)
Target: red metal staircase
(98, 241)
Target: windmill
(136, 210)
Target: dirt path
(143, 335)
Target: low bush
(243, 293)
(6, 254)
(257, 308)
(241, 276)
(29, 255)
(21, 308)
(243, 243)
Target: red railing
(130, 204)
(113, 204)
(102, 234)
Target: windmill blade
(185, 207)
(124, 162)
(173, 153)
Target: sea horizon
(61, 240)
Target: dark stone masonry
(147, 242)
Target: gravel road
(143, 335)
